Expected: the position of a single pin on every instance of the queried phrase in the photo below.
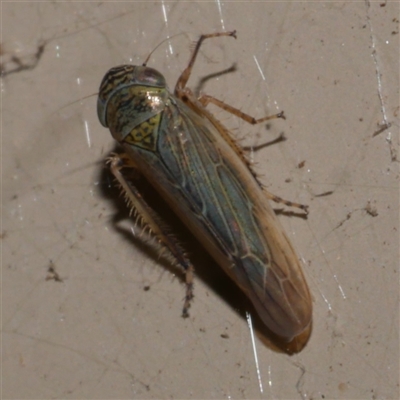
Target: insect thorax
(134, 115)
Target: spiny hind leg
(153, 223)
(189, 275)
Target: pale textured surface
(333, 68)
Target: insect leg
(288, 203)
(205, 99)
(181, 83)
(153, 223)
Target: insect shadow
(202, 81)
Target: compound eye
(150, 76)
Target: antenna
(167, 38)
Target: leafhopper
(194, 163)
